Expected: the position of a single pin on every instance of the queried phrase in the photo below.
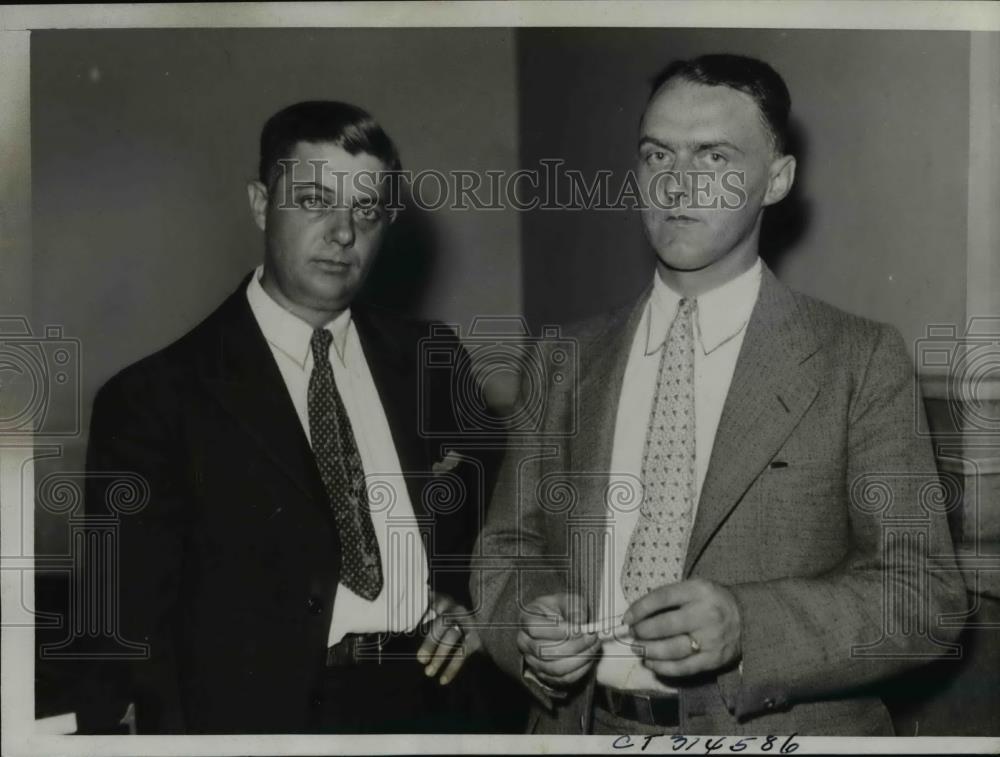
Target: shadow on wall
(786, 223)
(409, 260)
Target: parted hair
(345, 125)
(748, 75)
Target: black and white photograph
(500, 378)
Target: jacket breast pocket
(802, 517)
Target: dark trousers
(396, 697)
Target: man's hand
(449, 640)
(686, 628)
(550, 640)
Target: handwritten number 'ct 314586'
(710, 745)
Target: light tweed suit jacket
(820, 511)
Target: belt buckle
(361, 649)
(644, 709)
(356, 649)
(631, 705)
(379, 642)
(617, 702)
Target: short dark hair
(342, 124)
(748, 75)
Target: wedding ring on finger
(695, 645)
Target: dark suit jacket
(827, 609)
(229, 569)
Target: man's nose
(340, 227)
(677, 185)
(685, 180)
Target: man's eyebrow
(698, 146)
(645, 139)
(718, 143)
(297, 185)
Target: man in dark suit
(301, 562)
(738, 453)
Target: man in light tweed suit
(734, 453)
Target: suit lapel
(392, 362)
(241, 373)
(602, 370)
(773, 385)
(243, 376)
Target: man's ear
(781, 176)
(258, 196)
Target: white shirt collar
(722, 313)
(286, 331)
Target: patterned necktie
(658, 546)
(343, 475)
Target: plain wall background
(882, 182)
(143, 140)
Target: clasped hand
(685, 628)
(551, 642)
(678, 630)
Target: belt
(373, 649)
(649, 709)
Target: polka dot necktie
(343, 475)
(658, 546)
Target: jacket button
(314, 606)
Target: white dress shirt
(720, 324)
(405, 594)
